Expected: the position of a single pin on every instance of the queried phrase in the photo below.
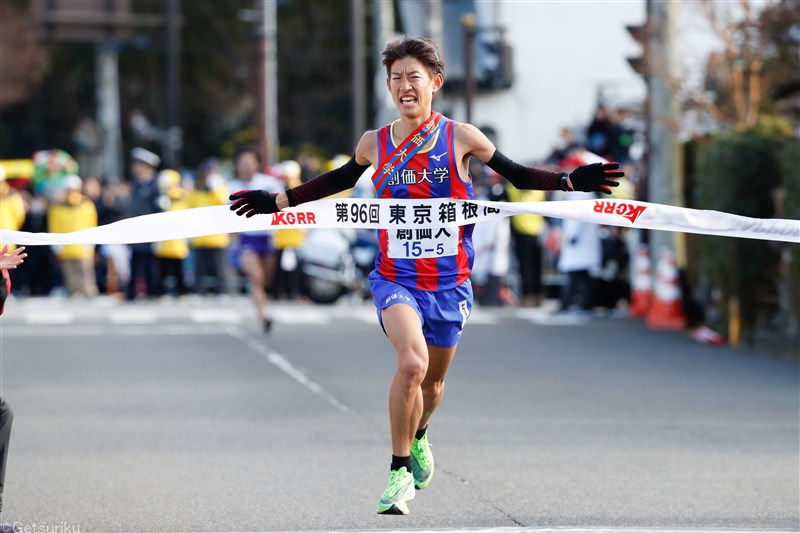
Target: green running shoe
(422, 462)
(398, 492)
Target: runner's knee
(411, 368)
(433, 389)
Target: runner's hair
(421, 48)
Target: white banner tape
(401, 214)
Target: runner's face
(412, 87)
(246, 165)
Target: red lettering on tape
(288, 218)
(623, 209)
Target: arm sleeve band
(523, 177)
(324, 185)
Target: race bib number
(423, 243)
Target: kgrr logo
(629, 211)
(289, 218)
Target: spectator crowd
(523, 260)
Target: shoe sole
(398, 509)
(419, 485)
(422, 486)
(394, 510)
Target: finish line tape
(404, 214)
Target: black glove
(254, 203)
(596, 177)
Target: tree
(21, 56)
(759, 52)
(314, 81)
(734, 75)
(780, 24)
(742, 169)
(46, 88)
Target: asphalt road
(185, 417)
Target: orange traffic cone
(666, 311)
(641, 288)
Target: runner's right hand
(254, 202)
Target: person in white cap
(147, 157)
(144, 200)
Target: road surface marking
(49, 317)
(215, 316)
(300, 316)
(481, 317)
(287, 368)
(546, 318)
(133, 316)
(105, 331)
(524, 529)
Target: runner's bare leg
(439, 360)
(404, 329)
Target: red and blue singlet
(420, 258)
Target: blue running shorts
(261, 245)
(442, 313)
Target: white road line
(565, 530)
(301, 316)
(290, 370)
(43, 317)
(133, 316)
(482, 318)
(368, 316)
(105, 331)
(215, 316)
(545, 318)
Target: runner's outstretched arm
(255, 202)
(588, 178)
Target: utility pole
(435, 21)
(108, 110)
(106, 24)
(267, 83)
(470, 29)
(173, 142)
(383, 31)
(435, 24)
(359, 70)
(665, 169)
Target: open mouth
(408, 100)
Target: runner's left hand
(258, 202)
(596, 177)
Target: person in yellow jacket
(288, 280)
(12, 214)
(209, 250)
(171, 254)
(525, 232)
(72, 212)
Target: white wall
(562, 51)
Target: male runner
(422, 303)
(256, 249)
